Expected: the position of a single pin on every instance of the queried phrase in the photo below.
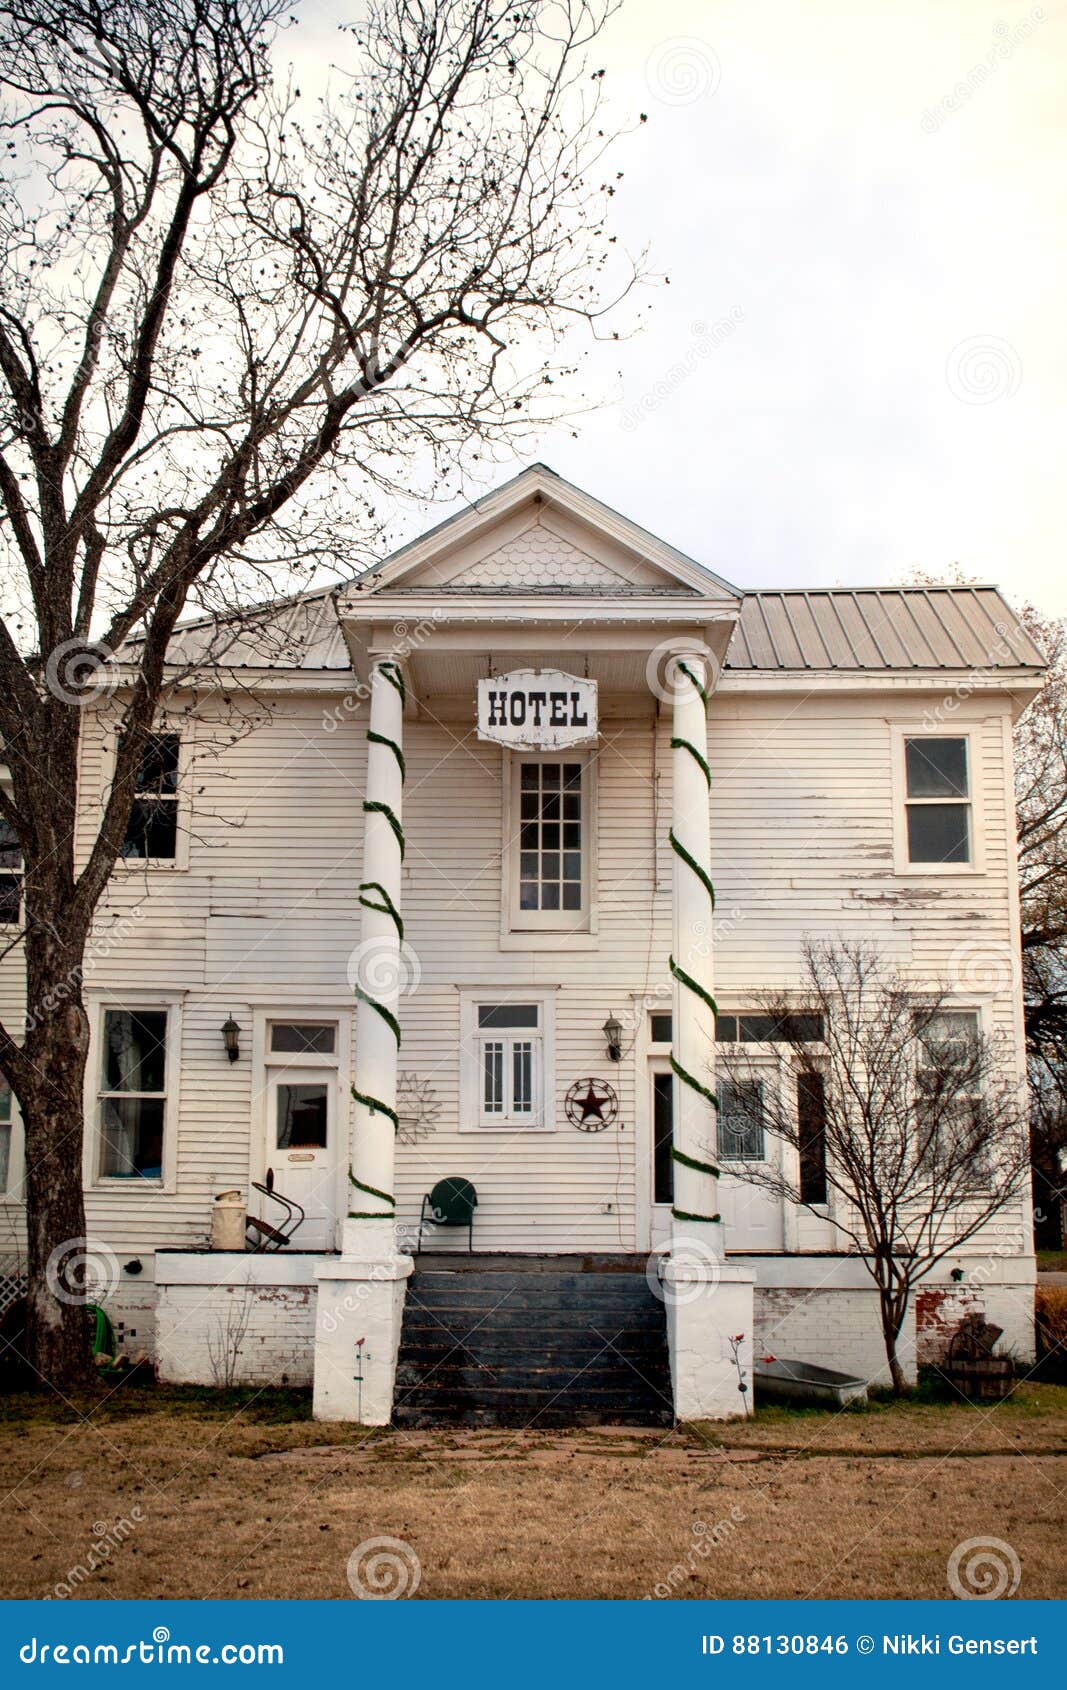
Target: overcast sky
(863, 343)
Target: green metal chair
(452, 1202)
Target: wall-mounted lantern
(613, 1034)
(231, 1038)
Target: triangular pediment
(539, 534)
(541, 559)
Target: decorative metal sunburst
(418, 1107)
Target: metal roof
(874, 628)
(861, 629)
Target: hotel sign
(535, 710)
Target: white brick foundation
(240, 1319)
(824, 1310)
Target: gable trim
(530, 486)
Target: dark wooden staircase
(559, 1343)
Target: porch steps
(507, 1347)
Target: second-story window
(10, 876)
(550, 867)
(152, 830)
(937, 800)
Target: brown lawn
(186, 1494)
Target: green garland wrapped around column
(690, 864)
(383, 927)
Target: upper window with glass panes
(10, 876)
(152, 830)
(937, 799)
(550, 869)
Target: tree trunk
(52, 1107)
(892, 1311)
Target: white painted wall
(266, 914)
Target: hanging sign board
(537, 710)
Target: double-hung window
(133, 1091)
(937, 801)
(946, 1082)
(549, 850)
(10, 876)
(152, 830)
(506, 1061)
(510, 1061)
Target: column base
(357, 1334)
(708, 1303)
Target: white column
(361, 1293)
(377, 974)
(693, 1052)
(709, 1302)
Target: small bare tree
(1041, 805)
(230, 316)
(913, 1119)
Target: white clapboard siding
(266, 913)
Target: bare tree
(229, 318)
(1041, 806)
(900, 1120)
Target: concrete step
(485, 1347)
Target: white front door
(754, 1219)
(300, 1129)
(302, 1134)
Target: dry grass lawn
(186, 1494)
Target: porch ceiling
(456, 673)
(447, 647)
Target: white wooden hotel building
(329, 853)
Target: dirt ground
(195, 1494)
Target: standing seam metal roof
(872, 628)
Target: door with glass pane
(754, 1219)
(301, 1116)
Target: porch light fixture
(231, 1038)
(613, 1034)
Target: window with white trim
(948, 1056)
(510, 1064)
(152, 830)
(133, 1092)
(549, 853)
(8, 1171)
(507, 1061)
(10, 876)
(937, 801)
